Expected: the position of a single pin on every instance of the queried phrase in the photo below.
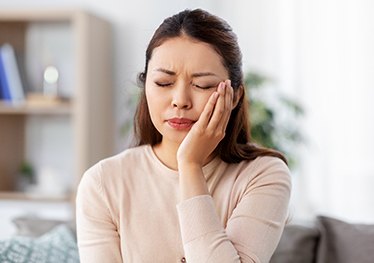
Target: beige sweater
(128, 210)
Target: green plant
(27, 171)
(274, 117)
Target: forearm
(191, 181)
(203, 236)
(202, 233)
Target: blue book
(12, 74)
(4, 85)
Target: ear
(237, 95)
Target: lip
(180, 123)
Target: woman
(194, 189)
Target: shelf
(46, 14)
(33, 197)
(64, 135)
(56, 108)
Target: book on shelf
(4, 88)
(11, 87)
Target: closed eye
(163, 84)
(204, 87)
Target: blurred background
(310, 63)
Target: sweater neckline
(207, 169)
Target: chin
(175, 137)
(178, 138)
(172, 135)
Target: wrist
(189, 166)
(191, 180)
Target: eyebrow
(203, 74)
(166, 71)
(194, 75)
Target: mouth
(180, 123)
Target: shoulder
(271, 172)
(124, 158)
(113, 167)
(128, 155)
(270, 164)
(265, 171)
(260, 166)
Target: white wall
(336, 60)
(320, 52)
(317, 51)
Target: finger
(228, 103)
(230, 95)
(208, 110)
(219, 109)
(224, 119)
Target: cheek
(152, 105)
(201, 100)
(156, 103)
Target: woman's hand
(209, 130)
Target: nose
(181, 97)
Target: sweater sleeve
(98, 239)
(254, 228)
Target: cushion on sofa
(33, 226)
(298, 244)
(58, 245)
(345, 242)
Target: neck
(167, 153)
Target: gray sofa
(327, 240)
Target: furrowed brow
(203, 74)
(166, 71)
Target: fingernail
(222, 86)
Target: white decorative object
(50, 83)
(50, 183)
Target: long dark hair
(203, 26)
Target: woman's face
(182, 74)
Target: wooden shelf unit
(14, 195)
(63, 108)
(89, 111)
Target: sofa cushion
(32, 226)
(344, 242)
(298, 244)
(58, 245)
